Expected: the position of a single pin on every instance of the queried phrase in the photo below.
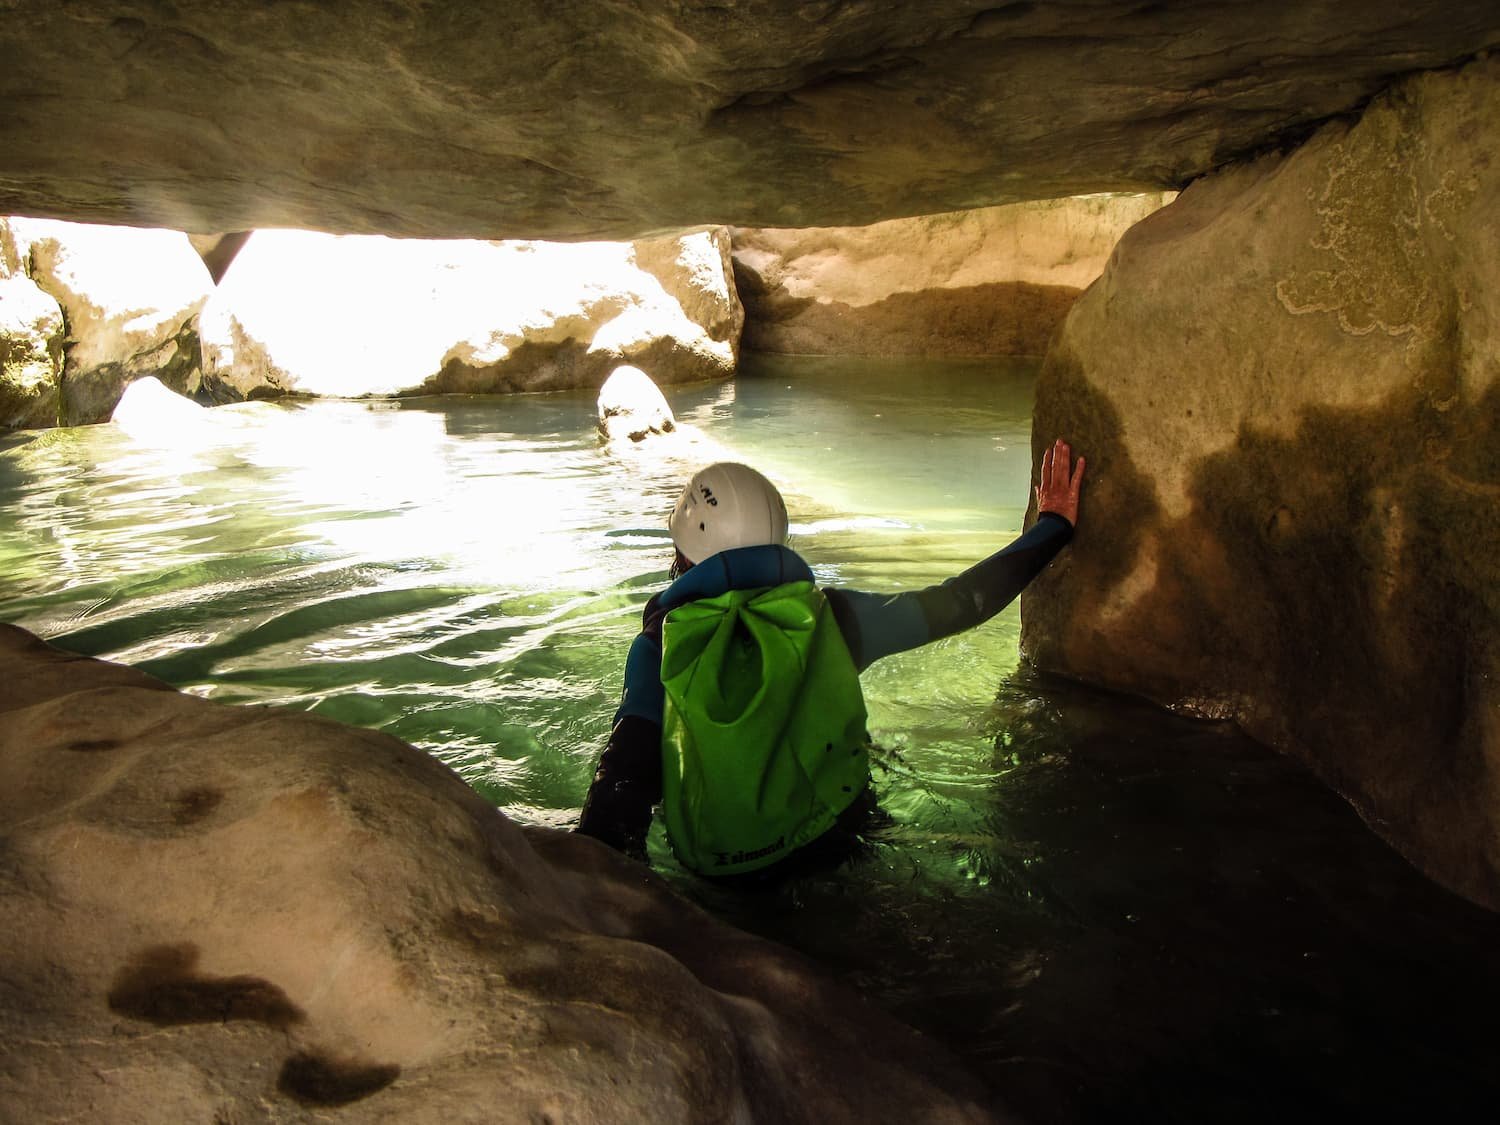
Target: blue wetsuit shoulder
(744, 568)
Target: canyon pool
(1110, 913)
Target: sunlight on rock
(350, 316)
(148, 411)
(32, 332)
(631, 406)
(131, 299)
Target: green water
(1110, 914)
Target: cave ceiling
(572, 119)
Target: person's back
(742, 712)
(763, 726)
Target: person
(741, 712)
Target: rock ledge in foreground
(236, 913)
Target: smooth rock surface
(993, 281)
(150, 409)
(566, 119)
(631, 407)
(1287, 385)
(239, 913)
(130, 299)
(312, 313)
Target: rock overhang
(573, 120)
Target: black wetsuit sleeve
(876, 625)
(625, 787)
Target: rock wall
(994, 281)
(1287, 385)
(230, 914)
(87, 310)
(128, 301)
(575, 119)
(310, 313)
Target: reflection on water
(467, 573)
(1112, 915)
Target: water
(1110, 914)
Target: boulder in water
(631, 406)
(989, 282)
(1292, 517)
(149, 409)
(32, 333)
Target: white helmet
(724, 506)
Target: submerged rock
(1287, 385)
(309, 313)
(131, 300)
(237, 913)
(995, 281)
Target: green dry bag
(763, 731)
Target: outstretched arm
(985, 589)
(876, 625)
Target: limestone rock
(31, 344)
(131, 300)
(696, 269)
(994, 281)
(218, 250)
(1287, 385)
(310, 313)
(572, 119)
(632, 407)
(235, 914)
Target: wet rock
(994, 281)
(1287, 387)
(299, 312)
(224, 913)
(130, 299)
(632, 407)
(448, 119)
